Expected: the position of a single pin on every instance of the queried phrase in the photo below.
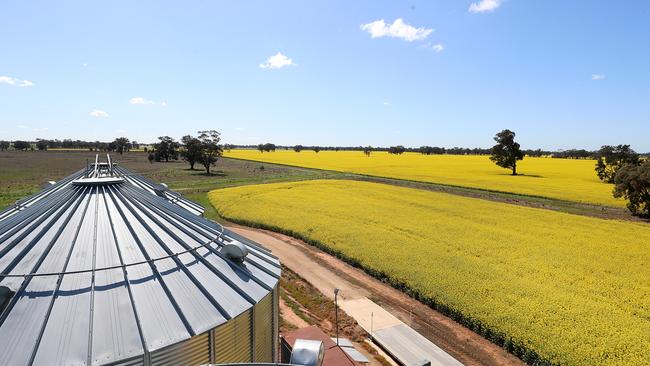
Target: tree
(41, 144)
(430, 150)
(297, 148)
(122, 144)
(210, 148)
(397, 150)
(633, 184)
(192, 150)
(4, 145)
(151, 157)
(268, 147)
(506, 152)
(316, 149)
(612, 158)
(367, 150)
(166, 149)
(22, 145)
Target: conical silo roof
(110, 267)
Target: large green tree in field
(506, 152)
(633, 183)
(396, 150)
(192, 150)
(122, 144)
(41, 144)
(613, 158)
(210, 148)
(22, 145)
(166, 149)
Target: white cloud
(141, 100)
(398, 29)
(484, 6)
(22, 126)
(98, 113)
(15, 82)
(438, 47)
(597, 76)
(386, 103)
(277, 61)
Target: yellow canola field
(565, 179)
(572, 288)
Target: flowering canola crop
(573, 289)
(565, 179)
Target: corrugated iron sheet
(233, 340)
(263, 315)
(195, 351)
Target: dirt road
(326, 272)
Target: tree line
(425, 150)
(202, 149)
(43, 144)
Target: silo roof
(135, 179)
(102, 272)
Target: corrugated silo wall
(194, 351)
(250, 337)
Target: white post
(371, 323)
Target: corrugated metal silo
(107, 267)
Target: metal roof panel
(104, 273)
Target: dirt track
(326, 272)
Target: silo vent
(235, 251)
(307, 352)
(5, 296)
(160, 189)
(47, 184)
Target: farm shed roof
(334, 355)
(105, 267)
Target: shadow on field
(199, 173)
(523, 175)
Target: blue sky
(562, 74)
